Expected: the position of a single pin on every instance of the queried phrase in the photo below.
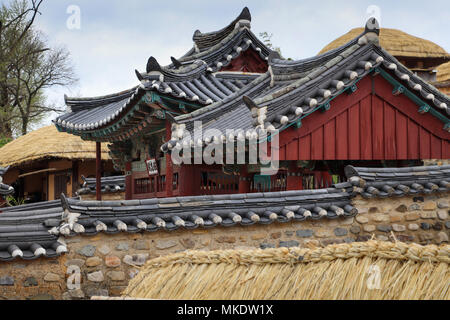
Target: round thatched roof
(397, 43)
(47, 142)
(443, 72)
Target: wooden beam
(98, 171)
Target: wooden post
(128, 182)
(169, 166)
(98, 171)
(244, 182)
(294, 180)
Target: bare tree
(28, 67)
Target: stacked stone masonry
(105, 263)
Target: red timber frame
(369, 124)
(248, 61)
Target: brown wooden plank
(413, 140)
(366, 128)
(329, 141)
(390, 143)
(445, 149)
(377, 128)
(342, 136)
(354, 135)
(425, 150)
(317, 144)
(401, 133)
(292, 150)
(435, 145)
(304, 147)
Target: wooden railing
(218, 183)
(262, 183)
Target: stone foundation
(105, 263)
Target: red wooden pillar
(294, 179)
(244, 180)
(98, 171)
(169, 165)
(188, 182)
(128, 182)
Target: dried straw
(47, 142)
(340, 271)
(397, 43)
(443, 72)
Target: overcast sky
(116, 36)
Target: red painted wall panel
(342, 136)
(401, 135)
(329, 132)
(370, 124)
(304, 147)
(317, 144)
(354, 134)
(390, 139)
(365, 123)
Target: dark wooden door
(60, 185)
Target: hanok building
(45, 163)
(355, 104)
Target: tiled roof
(292, 90)
(219, 48)
(109, 185)
(205, 211)
(31, 231)
(24, 231)
(193, 78)
(202, 87)
(386, 182)
(5, 189)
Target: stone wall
(107, 262)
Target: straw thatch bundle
(397, 43)
(443, 72)
(47, 142)
(340, 271)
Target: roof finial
(245, 15)
(153, 65)
(139, 75)
(372, 25)
(249, 102)
(176, 63)
(371, 32)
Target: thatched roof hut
(443, 72)
(46, 143)
(360, 270)
(45, 163)
(443, 78)
(419, 55)
(397, 43)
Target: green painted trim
(419, 102)
(398, 87)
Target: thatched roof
(47, 143)
(443, 72)
(339, 271)
(397, 43)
